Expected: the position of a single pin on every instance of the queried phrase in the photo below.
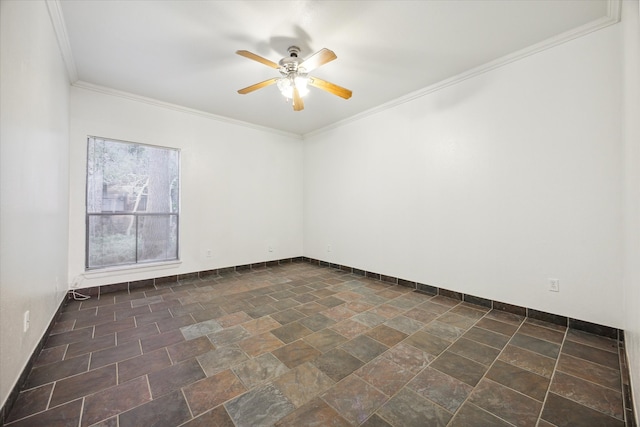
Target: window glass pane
(112, 240)
(157, 238)
(126, 177)
(126, 183)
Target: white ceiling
(183, 52)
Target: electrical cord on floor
(78, 296)
(74, 284)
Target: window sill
(120, 270)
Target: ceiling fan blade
(319, 58)
(257, 86)
(258, 58)
(298, 104)
(330, 87)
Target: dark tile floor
(299, 345)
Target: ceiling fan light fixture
(295, 82)
(287, 83)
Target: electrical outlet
(270, 248)
(26, 321)
(554, 285)
(328, 248)
(208, 253)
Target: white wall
(487, 187)
(241, 187)
(631, 128)
(34, 96)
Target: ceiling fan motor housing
(290, 65)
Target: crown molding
(166, 105)
(614, 9)
(60, 28)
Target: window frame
(137, 263)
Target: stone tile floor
(300, 345)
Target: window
(132, 203)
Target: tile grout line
(591, 382)
(488, 369)
(553, 374)
(596, 363)
(428, 364)
(555, 370)
(184, 396)
(365, 363)
(48, 406)
(460, 302)
(81, 412)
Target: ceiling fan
(294, 75)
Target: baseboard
(557, 319)
(630, 411)
(96, 291)
(582, 325)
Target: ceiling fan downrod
(289, 65)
